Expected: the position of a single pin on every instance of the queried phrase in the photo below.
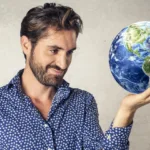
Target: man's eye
(54, 51)
(70, 52)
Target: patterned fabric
(72, 123)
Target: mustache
(55, 67)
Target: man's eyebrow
(57, 47)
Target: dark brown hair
(38, 19)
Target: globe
(129, 57)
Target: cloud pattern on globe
(129, 57)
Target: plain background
(89, 70)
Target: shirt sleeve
(117, 137)
(94, 138)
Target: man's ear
(26, 45)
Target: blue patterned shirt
(72, 123)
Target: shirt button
(46, 125)
(108, 137)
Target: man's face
(52, 56)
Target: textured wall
(103, 19)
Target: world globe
(129, 57)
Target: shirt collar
(63, 92)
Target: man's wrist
(124, 117)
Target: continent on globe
(129, 57)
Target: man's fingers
(145, 94)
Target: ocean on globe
(129, 57)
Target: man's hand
(128, 107)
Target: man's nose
(62, 62)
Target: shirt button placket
(49, 136)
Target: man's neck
(34, 89)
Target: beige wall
(103, 19)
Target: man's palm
(135, 101)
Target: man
(39, 111)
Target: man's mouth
(56, 72)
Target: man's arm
(117, 136)
(93, 137)
(123, 118)
(129, 106)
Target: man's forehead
(62, 38)
(54, 33)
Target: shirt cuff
(118, 136)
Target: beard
(42, 74)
